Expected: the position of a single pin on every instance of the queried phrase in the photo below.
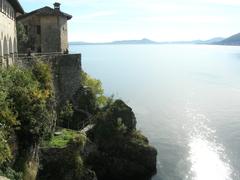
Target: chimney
(57, 6)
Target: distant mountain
(142, 41)
(209, 41)
(214, 40)
(232, 40)
(81, 43)
(148, 41)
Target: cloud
(105, 20)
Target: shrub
(25, 99)
(95, 86)
(66, 115)
(116, 122)
(5, 152)
(30, 103)
(11, 174)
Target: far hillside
(232, 40)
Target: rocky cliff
(67, 129)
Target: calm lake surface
(186, 99)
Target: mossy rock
(65, 163)
(124, 162)
(123, 152)
(62, 138)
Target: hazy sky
(160, 20)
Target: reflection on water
(157, 80)
(208, 158)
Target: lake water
(186, 99)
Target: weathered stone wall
(50, 34)
(66, 69)
(45, 40)
(63, 33)
(30, 23)
(53, 35)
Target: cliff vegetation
(89, 137)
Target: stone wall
(63, 33)
(43, 33)
(66, 69)
(34, 39)
(50, 34)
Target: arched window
(1, 50)
(1, 54)
(15, 46)
(10, 46)
(5, 47)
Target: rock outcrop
(122, 151)
(65, 163)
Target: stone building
(8, 34)
(46, 29)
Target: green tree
(95, 86)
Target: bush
(95, 86)
(25, 99)
(66, 115)
(116, 122)
(42, 74)
(5, 152)
(30, 101)
(11, 174)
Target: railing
(27, 58)
(7, 60)
(20, 59)
(40, 54)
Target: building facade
(8, 33)
(46, 29)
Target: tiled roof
(16, 5)
(45, 11)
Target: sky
(158, 20)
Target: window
(38, 29)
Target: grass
(61, 140)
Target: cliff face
(109, 148)
(122, 151)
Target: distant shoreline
(99, 44)
(230, 41)
(148, 42)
